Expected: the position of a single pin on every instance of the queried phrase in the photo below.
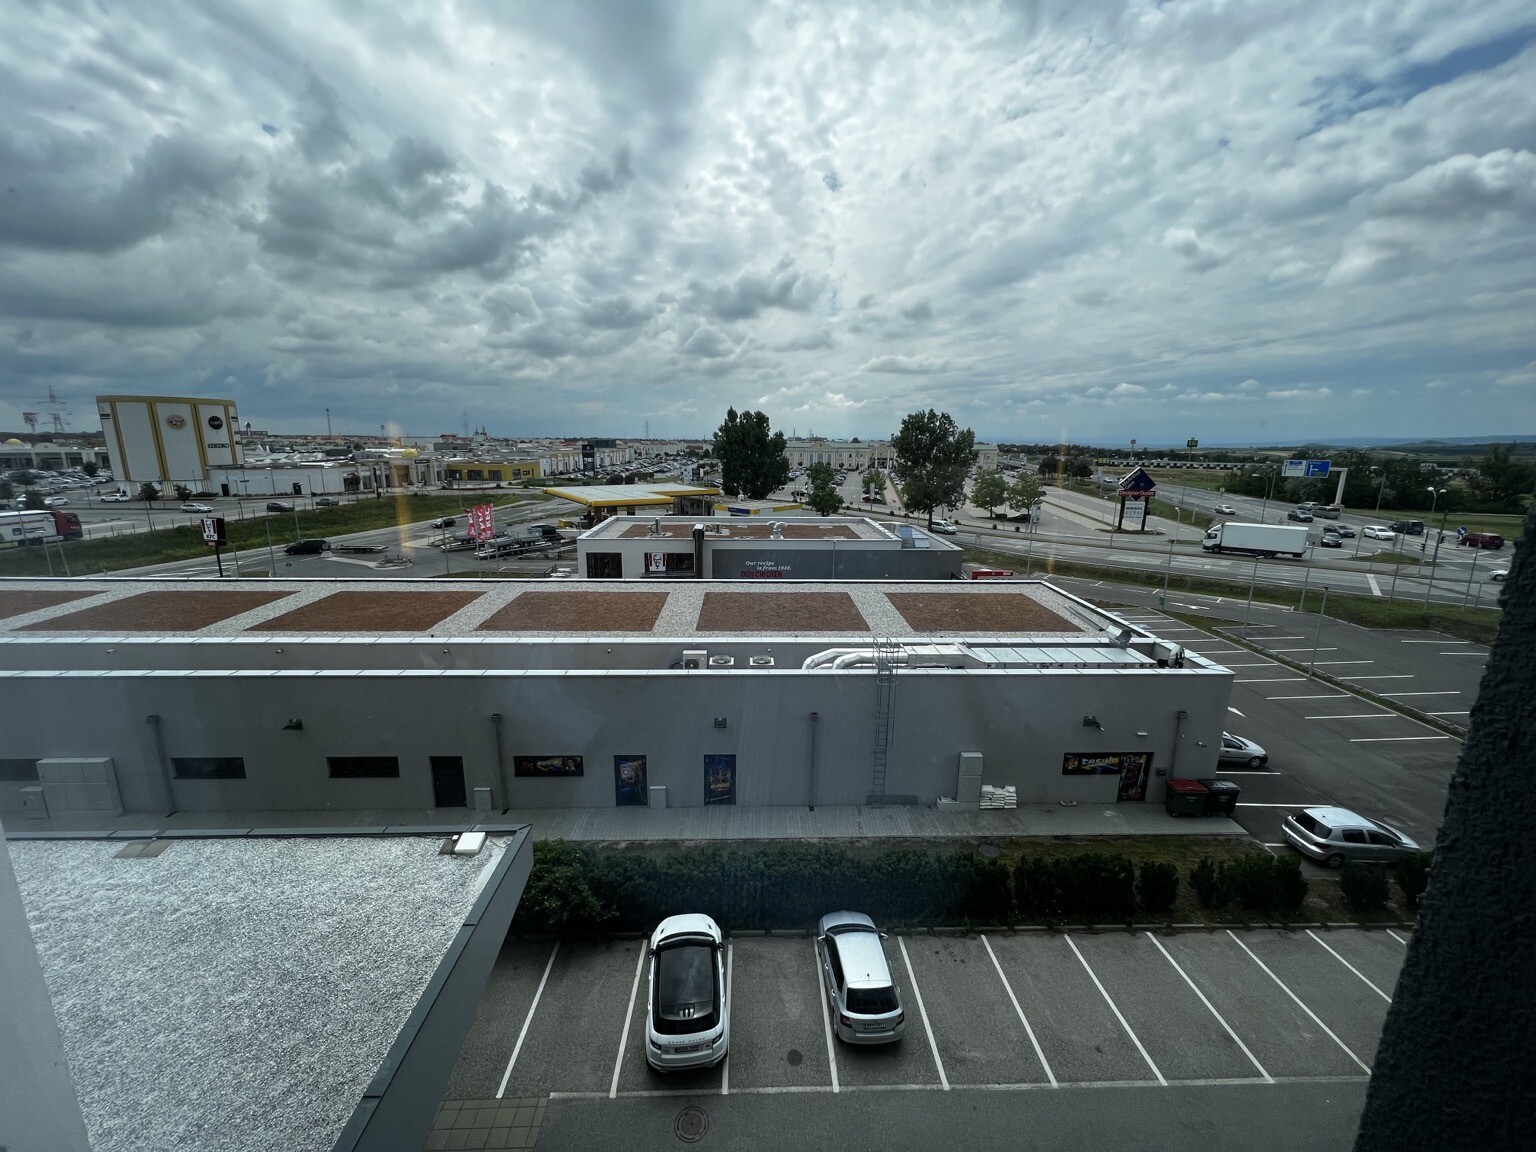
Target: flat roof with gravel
(241, 993)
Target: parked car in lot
(1226, 510)
(115, 498)
(863, 1002)
(193, 506)
(1332, 836)
(1332, 539)
(1236, 750)
(1481, 540)
(1499, 575)
(1300, 515)
(1378, 532)
(687, 1015)
(327, 502)
(278, 506)
(308, 547)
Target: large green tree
(990, 490)
(752, 457)
(1025, 494)
(932, 456)
(1502, 480)
(824, 496)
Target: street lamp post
(1305, 577)
(1317, 637)
(1268, 492)
(1434, 498)
(1381, 489)
(1439, 536)
(1470, 573)
(1252, 580)
(1167, 571)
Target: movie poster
(546, 766)
(629, 784)
(720, 779)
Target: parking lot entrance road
(1032, 1011)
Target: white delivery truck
(1256, 539)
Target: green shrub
(557, 898)
(1213, 882)
(1035, 889)
(1157, 886)
(1256, 883)
(1413, 876)
(1364, 886)
(990, 897)
(1098, 886)
(1291, 885)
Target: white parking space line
(1355, 716)
(1329, 696)
(1392, 676)
(1248, 772)
(1442, 643)
(917, 994)
(1007, 987)
(1113, 1007)
(1375, 587)
(1467, 713)
(826, 1019)
(1299, 1003)
(1272, 680)
(1479, 655)
(1282, 637)
(725, 1069)
(1255, 804)
(1396, 937)
(1260, 664)
(1322, 662)
(1392, 739)
(1453, 692)
(1350, 966)
(1302, 649)
(618, 1061)
(1252, 1059)
(527, 1020)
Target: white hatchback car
(687, 1017)
(1226, 510)
(1378, 532)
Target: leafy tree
(148, 492)
(1025, 494)
(182, 492)
(1077, 467)
(932, 457)
(752, 459)
(90, 468)
(874, 481)
(1503, 480)
(989, 491)
(32, 501)
(21, 478)
(824, 497)
(7, 489)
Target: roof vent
(722, 661)
(761, 661)
(695, 657)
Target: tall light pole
(1381, 489)
(1434, 494)
(1317, 637)
(1439, 536)
(1264, 508)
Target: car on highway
(327, 502)
(444, 522)
(687, 1012)
(1237, 750)
(1333, 836)
(55, 501)
(872, 498)
(1226, 510)
(1499, 575)
(308, 547)
(194, 506)
(1378, 532)
(1480, 540)
(945, 528)
(1300, 515)
(278, 506)
(115, 498)
(1332, 540)
(862, 1000)
(1343, 530)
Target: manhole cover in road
(990, 851)
(691, 1124)
(794, 1056)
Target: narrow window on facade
(208, 767)
(18, 770)
(361, 767)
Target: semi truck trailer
(1256, 539)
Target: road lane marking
(1113, 1007)
(917, 994)
(1453, 692)
(1479, 655)
(1007, 987)
(1396, 937)
(1354, 716)
(1322, 662)
(1375, 587)
(618, 1062)
(1282, 637)
(1301, 649)
(1272, 680)
(1252, 1059)
(1248, 772)
(1393, 676)
(1463, 713)
(527, 1020)
(1392, 739)
(725, 1070)
(1442, 643)
(1260, 664)
(1350, 966)
(826, 1019)
(1330, 696)
(1299, 1003)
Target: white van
(1329, 511)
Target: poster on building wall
(1131, 767)
(720, 779)
(656, 561)
(629, 783)
(546, 766)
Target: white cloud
(1123, 389)
(906, 365)
(1299, 394)
(1197, 253)
(1519, 378)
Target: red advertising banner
(480, 526)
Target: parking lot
(1026, 1011)
(1326, 744)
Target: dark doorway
(448, 782)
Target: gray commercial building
(158, 696)
(763, 548)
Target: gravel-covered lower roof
(240, 993)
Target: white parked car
(687, 1017)
(55, 501)
(863, 1001)
(1499, 575)
(116, 498)
(193, 506)
(1378, 532)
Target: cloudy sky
(1081, 220)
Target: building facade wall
(1022, 723)
(168, 439)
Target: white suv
(687, 1018)
(864, 1003)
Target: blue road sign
(1317, 468)
(1461, 531)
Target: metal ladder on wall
(886, 651)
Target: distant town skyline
(1248, 224)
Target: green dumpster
(1185, 798)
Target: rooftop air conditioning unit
(695, 657)
(760, 661)
(722, 661)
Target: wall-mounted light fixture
(719, 721)
(1143, 733)
(1092, 722)
(294, 726)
